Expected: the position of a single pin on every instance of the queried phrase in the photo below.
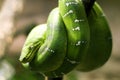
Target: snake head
(33, 42)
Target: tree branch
(88, 5)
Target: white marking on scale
(78, 43)
(76, 29)
(47, 48)
(50, 50)
(69, 12)
(70, 3)
(78, 20)
(71, 61)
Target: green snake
(69, 40)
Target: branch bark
(88, 5)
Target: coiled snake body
(70, 40)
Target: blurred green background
(36, 12)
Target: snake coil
(70, 40)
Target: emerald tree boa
(69, 40)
